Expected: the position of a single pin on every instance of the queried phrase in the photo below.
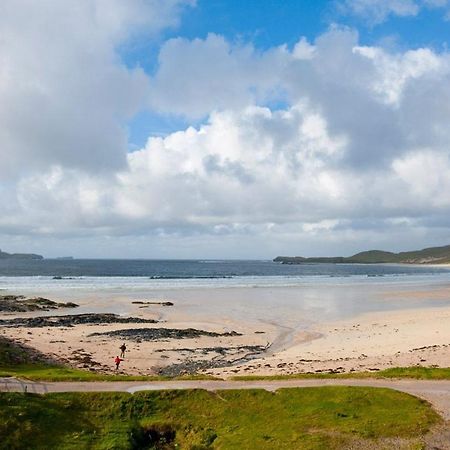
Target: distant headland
(432, 255)
(4, 255)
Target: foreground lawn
(307, 418)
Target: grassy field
(307, 418)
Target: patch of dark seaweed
(155, 334)
(229, 356)
(19, 303)
(152, 303)
(219, 349)
(71, 320)
(190, 367)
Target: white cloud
(395, 71)
(199, 76)
(378, 11)
(64, 94)
(359, 145)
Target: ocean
(179, 274)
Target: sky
(222, 128)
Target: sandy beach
(243, 343)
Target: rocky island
(432, 255)
(4, 255)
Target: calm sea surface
(202, 273)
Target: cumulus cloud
(64, 93)
(199, 76)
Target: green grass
(417, 373)
(46, 372)
(307, 418)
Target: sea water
(230, 289)
(103, 273)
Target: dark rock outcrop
(19, 303)
(154, 334)
(71, 320)
(152, 303)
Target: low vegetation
(416, 372)
(307, 418)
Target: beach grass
(46, 372)
(415, 372)
(308, 418)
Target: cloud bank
(326, 145)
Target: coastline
(274, 345)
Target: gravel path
(435, 392)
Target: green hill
(432, 255)
(373, 256)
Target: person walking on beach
(122, 348)
(117, 360)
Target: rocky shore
(155, 334)
(19, 303)
(152, 303)
(71, 320)
(218, 357)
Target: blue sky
(269, 23)
(224, 129)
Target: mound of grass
(307, 418)
(12, 353)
